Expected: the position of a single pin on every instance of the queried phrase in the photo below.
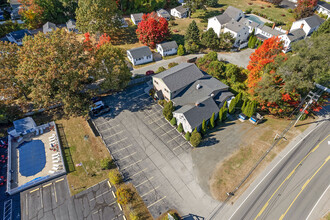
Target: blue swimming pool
(254, 18)
(32, 157)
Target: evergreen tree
(180, 128)
(239, 100)
(187, 136)
(225, 111)
(250, 41)
(243, 106)
(173, 121)
(323, 29)
(220, 118)
(192, 33)
(232, 105)
(194, 131)
(195, 139)
(203, 126)
(180, 50)
(210, 39)
(212, 120)
(168, 110)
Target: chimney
(301, 26)
(197, 104)
(273, 26)
(287, 32)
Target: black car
(99, 111)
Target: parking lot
(152, 154)
(52, 200)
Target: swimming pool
(254, 18)
(32, 157)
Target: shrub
(161, 69)
(124, 195)
(180, 50)
(232, 106)
(195, 139)
(290, 10)
(173, 121)
(161, 102)
(115, 177)
(180, 128)
(262, 7)
(248, 11)
(203, 127)
(168, 110)
(105, 164)
(152, 92)
(170, 65)
(187, 136)
(212, 120)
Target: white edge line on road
(272, 170)
(317, 202)
(120, 207)
(113, 194)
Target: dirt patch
(231, 171)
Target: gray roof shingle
(296, 34)
(169, 45)
(48, 27)
(235, 26)
(271, 31)
(137, 16)
(324, 5)
(163, 13)
(313, 21)
(182, 9)
(18, 35)
(71, 24)
(233, 12)
(223, 19)
(180, 76)
(140, 52)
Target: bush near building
(195, 138)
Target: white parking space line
(113, 194)
(96, 212)
(131, 164)
(155, 120)
(150, 191)
(115, 134)
(7, 210)
(122, 148)
(144, 181)
(59, 180)
(151, 114)
(156, 202)
(179, 146)
(131, 93)
(174, 138)
(161, 126)
(116, 141)
(127, 156)
(166, 132)
(109, 127)
(139, 172)
(139, 96)
(99, 195)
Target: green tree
(212, 120)
(111, 67)
(52, 11)
(98, 16)
(9, 26)
(180, 128)
(192, 33)
(195, 139)
(161, 69)
(203, 127)
(232, 106)
(180, 50)
(115, 177)
(168, 110)
(105, 164)
(173, 64)
(54, 69)
(191, 47)
(187, 136)
(226, 41)
(323, 29)
(243, 106)
(220, 118)
(210, 39)
(173, 121)
(124, 195)
(211, 3)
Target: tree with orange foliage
(262, 56)
(305, 8)
(31, 13)
(152, 30)
(104, 39)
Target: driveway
(152, 155)
(241, 58)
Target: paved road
(295, 185)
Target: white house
(71, 26)
(180, 12)
(309, 24)
(167, 48)
(164, 14)
(48, 27)
(17, 36)
(323, 7)
(140, 55)
(234, 13)
(239, 31)
(136, 18)
(291, 37)
(264, 32)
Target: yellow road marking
(288, 177)
(304, 186)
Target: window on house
(166, 90)
(155, 82)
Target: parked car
(99, 111)
(150, 72)
(192, 60)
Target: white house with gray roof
(48, 27)
(71, 25)
(238, 30)
(164, 14)
(136, 18)
(309, 24)
(180, 12)
(291, 37)
(195, 95)
(264, 32)
(323, 8)
(167, 48)
(140, 55)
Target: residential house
(323, 7)
(310, 24)
(48, 27)
(16, 6)
(196, 95)
(252, 25)
(290, 37)
(164, 14)
(167, 48)
(263, 32)
(17, 36)
(123, 23)
(235, 13)
(239, 31)
(180, 12)
(136, 18)
(140, 55)
(71, 26)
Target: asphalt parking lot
(151, 154)
(52, 200)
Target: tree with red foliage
(152, 30)
(104, 39)
(262, 56)
(87, 42)
(305, 8)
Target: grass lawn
(326, 217)
(89, 152)
(230, 172)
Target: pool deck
(264, 20)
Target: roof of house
(47, 26)
(313, 21)
(15, 2)
(163, 13)
(24, 124)
(223, 19)
(181, 9)
(180, 76)
(207, 86)
(4, 39)
(233, 12)
(324, 5)
(270, 30)
(196, 114)
(248, 22)
(222, 96)
(140, 52)
(169, 45)
(296, 34)
(17, 35)
(71, 24)
(261, 37)
(137, 16)
(235, 26)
